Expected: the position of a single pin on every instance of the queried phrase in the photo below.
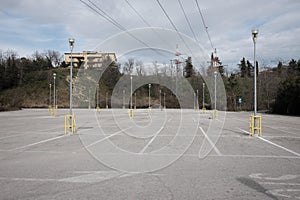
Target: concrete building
(88, 59)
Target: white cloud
(31, 25)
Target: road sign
(240, 100)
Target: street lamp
(56, 98)
(164, 100)
(106, 106)
(215, 74)
(254, 37)
(135, 100)
(131, 92)
(197, 100)
(194, 100)
(149, 93)
(160, 99)
(203, 100)
(123, 99)
(97, 106)
(89, 99)
(54, 77)
(50, 94)
(71, 43)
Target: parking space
(157, 154)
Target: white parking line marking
(211, 143)
(102, 139)
(40, 142)
(152, 139)
(277, 145)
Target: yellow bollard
(131, 113)
(70, 123)
(97, 108)
(214, 114)
(255, 124)
(203, 110)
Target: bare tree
(140, 69)
(54, 57)
(128, 66)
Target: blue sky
(28, 25)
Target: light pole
(97, 106)
(56, 98)
(106, 106)
(89, 99)
(71, 43)
(149, 94)
(215, 74)
(123, 99)
(197, 100)
(194, 100)
(164, 100)
(54, 77)
(50, 94)
(131, 92)
(135, 100)
(160, 99)
(203, 100)
(254, 37)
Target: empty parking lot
(161, 154)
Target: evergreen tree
(243, 67)
(189, 69)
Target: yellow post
(131, 113)
(214, 114)
(255, 124)
(70, 123)
(97, 109)
(203, 110)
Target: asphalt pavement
(155, 154)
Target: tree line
(278, 87)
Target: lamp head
(254, 34)
(71, 42)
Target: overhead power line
(205, 27)
(145, 21)
(106, 16)
(188, 21)
(175, 28)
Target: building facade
(90, 59)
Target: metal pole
(106, 106)
(71, 42)
(197, 100)
(254, 34)
(130, 92)
(50, 96)
(203, 95)
(97, 92)
(123, 98)
(160, 99)
(89, 99)
(165, 100)
(149, 94)
(135, 100)
(215, 73)
(54, 77)
(194, 100)
(56, 98)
